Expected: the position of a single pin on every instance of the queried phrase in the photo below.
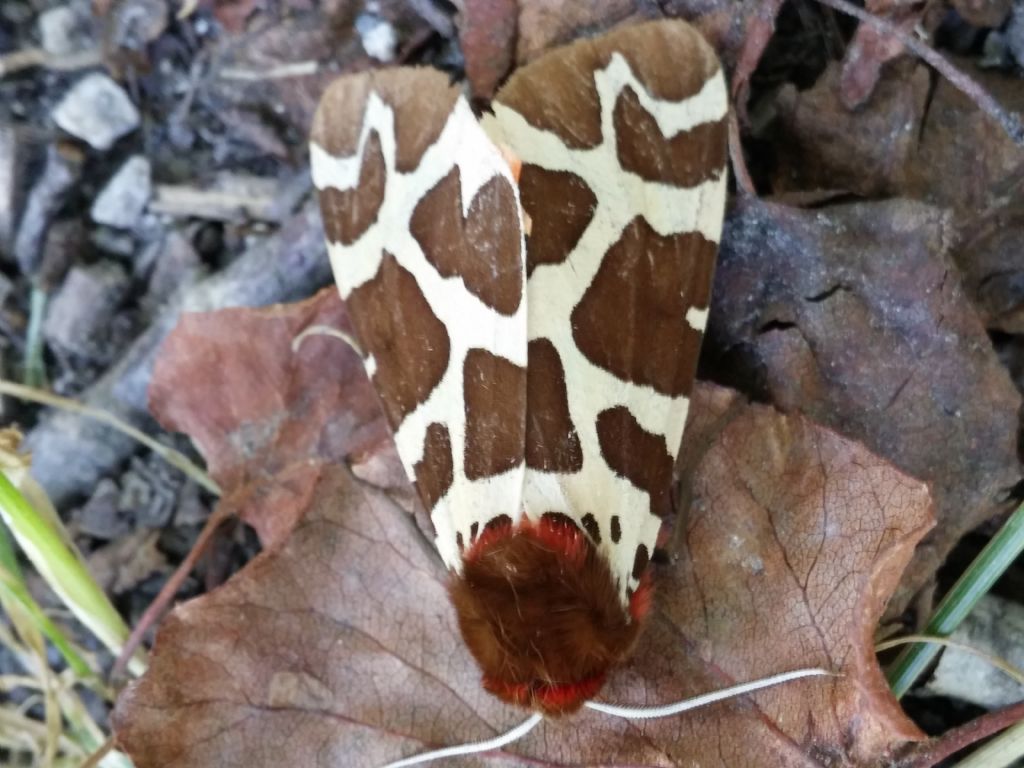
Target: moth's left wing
(425, 239)
(622, 141)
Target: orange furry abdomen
(540, 611)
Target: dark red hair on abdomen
(540, 611)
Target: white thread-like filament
(632, 713)
(649, 713)
(470, 749)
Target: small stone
(57, 176)
(17, 155)
(1014, 33)
(97, 111)
(149, 492)
(378, 37)
(113, 241)
(190, 510)
(11, 186)
(81, 311)
(135, 492)
(123, 199)
(134, 24)
(100, 517)
(994, 53)
(66, 29)
(176, 266)
(993, 627)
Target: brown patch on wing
(637, 455)
(483, 248)
(348, 213)
(495, 394)
(670, 57)
(410, 345)
(686, 159)
(592, 528)
(616, 529)
(552, 444)
(632, 319)
(560, 205)
(435, 471)
(421, 100)
(672, 60)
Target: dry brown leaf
(825, 146)
(855, 316)
(487, 32)
(264, 418)
(497, 34)
(910, 139)
(340, 648)
(966, 162)
(871, 48)
(928, 143)
(544, 24)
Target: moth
(529, 291)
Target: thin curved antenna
(649, 713)
(468, 749)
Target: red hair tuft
(540, 611)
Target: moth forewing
(537, 389)
(424, 233)
(627, 143)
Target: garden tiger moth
(529, 292)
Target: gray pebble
(1014, 33)
(97, 111)
(121, 202)
(80, 313)
(66, 29)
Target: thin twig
(29, 58)
(170, 589)
(971, 88)
(1001, 664)
(931, 752)
(739, 163)
(188, 7)
(170, 455)
(280, 72)
(186, 201)
(96, 757)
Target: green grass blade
(61, 569)
(974, 583)
(8, 560)
(34, 372)
(12, 589)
